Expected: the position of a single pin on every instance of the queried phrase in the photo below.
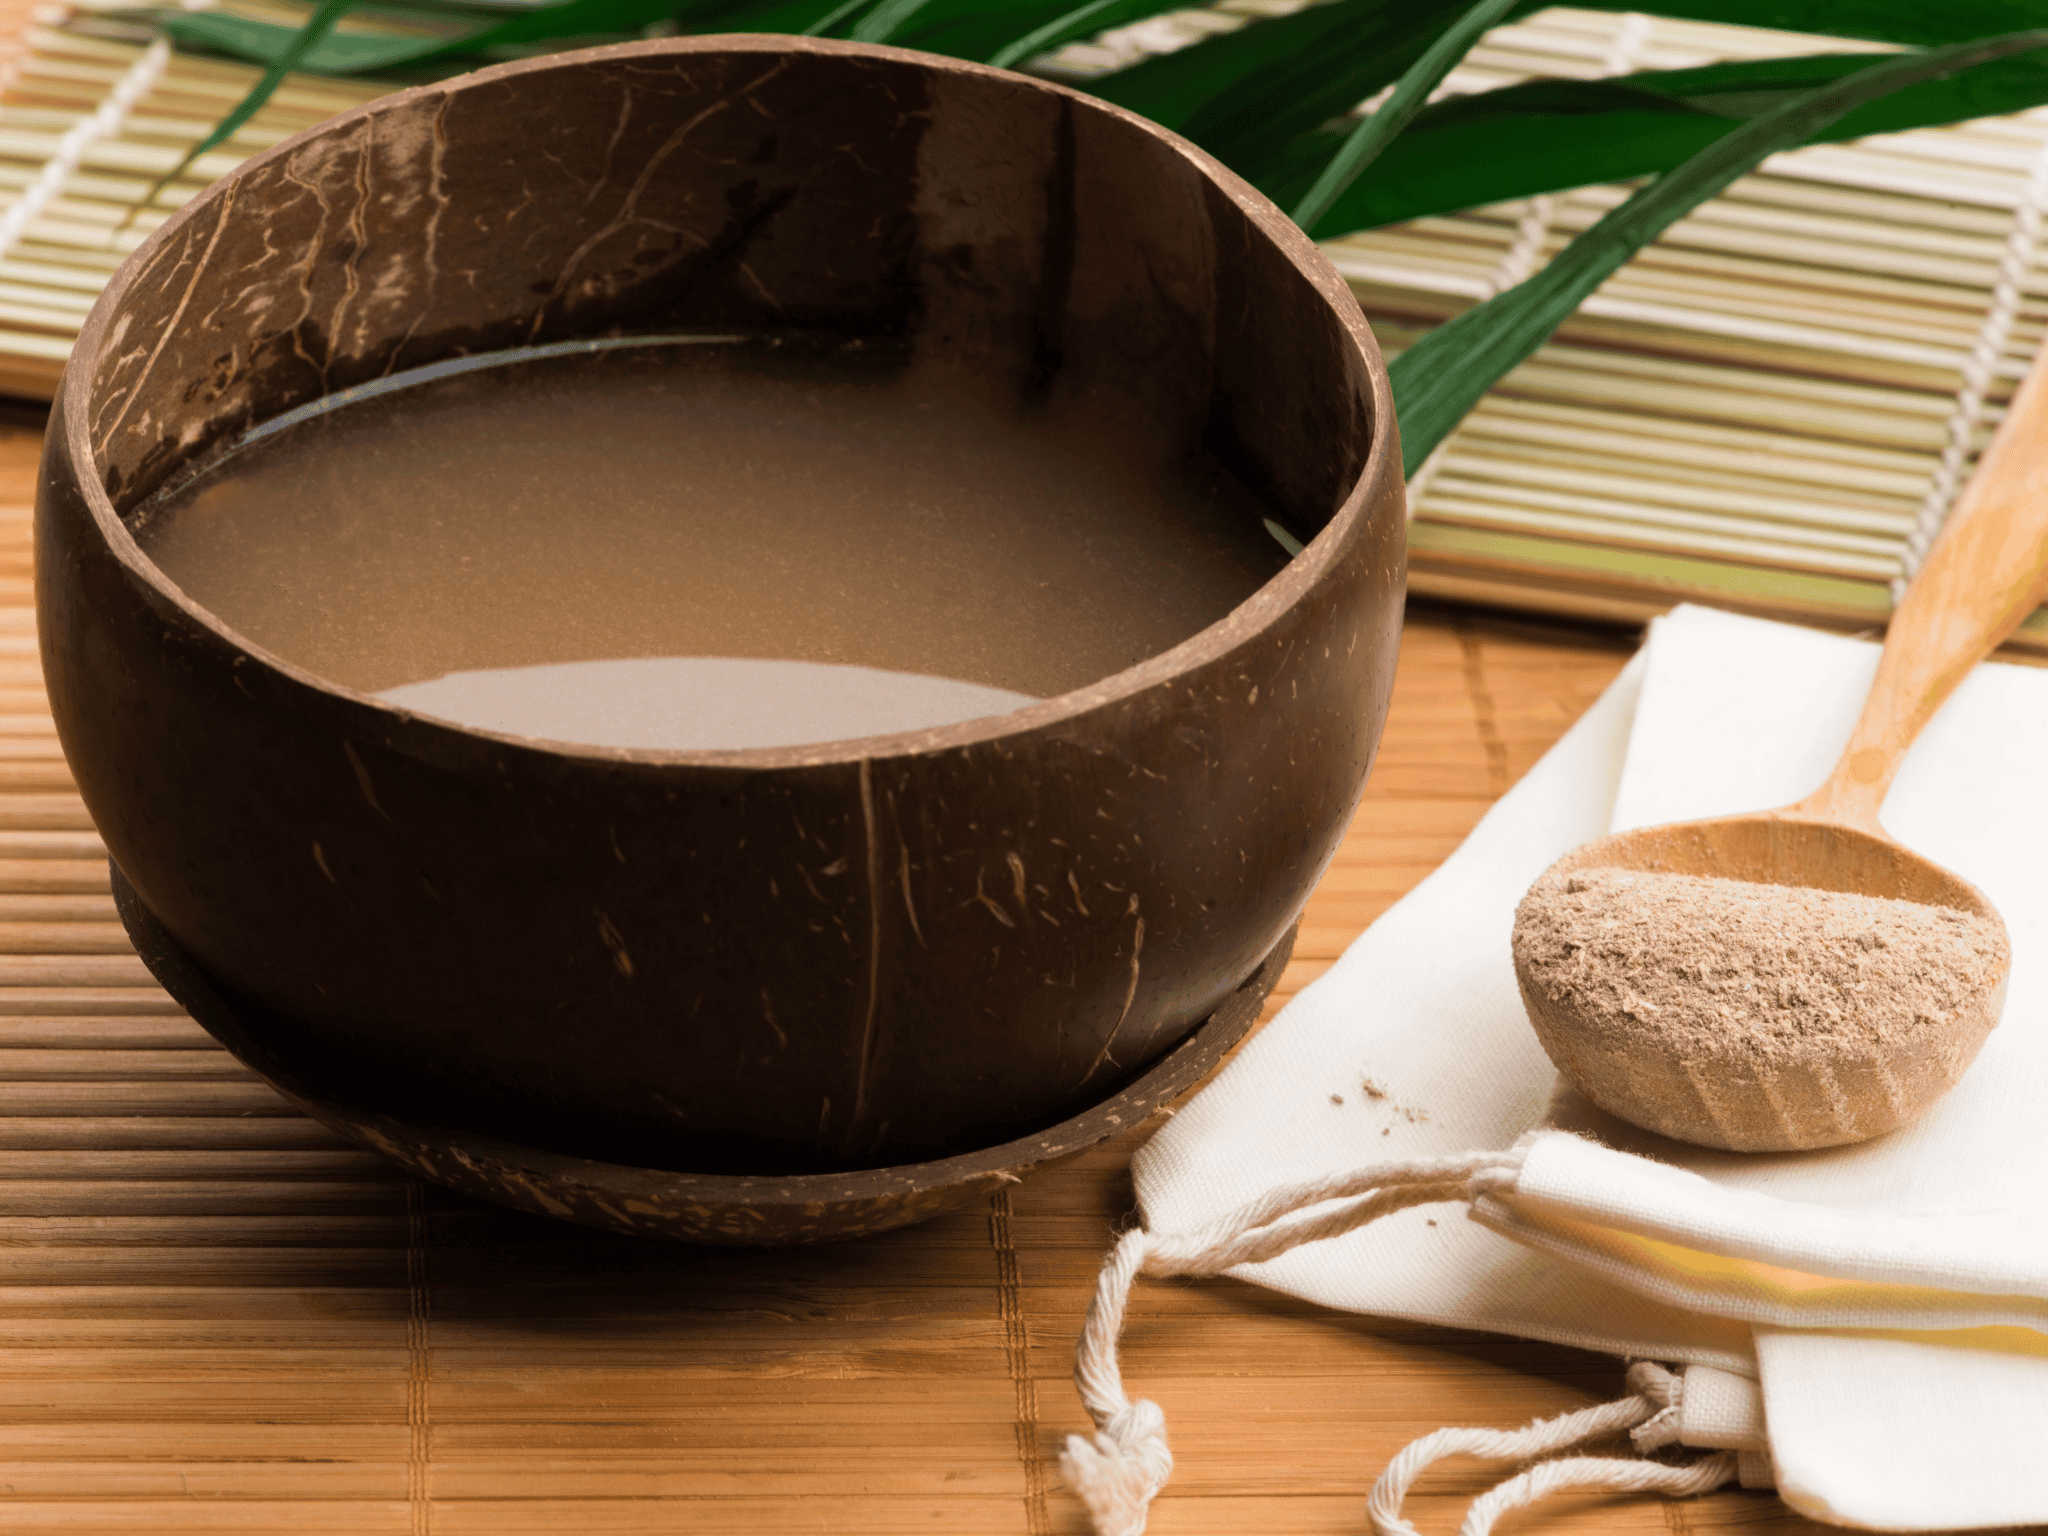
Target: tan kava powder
(1734, 981)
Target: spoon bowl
(1725, 1077)
(1723, 1095)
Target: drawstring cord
(1649, 1412)
(1119, 1470)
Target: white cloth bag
(1868, 1325)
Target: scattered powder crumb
(1336, 1098)
(1379, 1095)
(1675, 963)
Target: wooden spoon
(1986, 572)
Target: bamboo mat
(214, 1316)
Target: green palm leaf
(1551, 135)
(1246, 95)
(1442, 376)
(1275, 79)
(324, 19)
(1076, 22)
(1376, 132)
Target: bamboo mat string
(1418, 483)
(1525, 254)
(1624, 55)
(2015, 263)
(137, 83)
(419, 1491)
(1532, 231)
(1017, 1355)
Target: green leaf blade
(309, 37)
(1375, 132)
(260, 42)
(1070, 25)
(1249, 84)
(1443, 375)
(1548, 136)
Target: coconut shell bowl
(1016, 935)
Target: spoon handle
(1987, 571)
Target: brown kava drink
(708, 545)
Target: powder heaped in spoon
(1695, 1006)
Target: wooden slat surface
(216, 1317)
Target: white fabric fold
(1754, 1256)
(1892, 1297)
(1908, 1432)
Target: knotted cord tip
(1117, 1471)
(1664, 1393)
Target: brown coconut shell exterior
(841, 955)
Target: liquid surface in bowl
(708, 544)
